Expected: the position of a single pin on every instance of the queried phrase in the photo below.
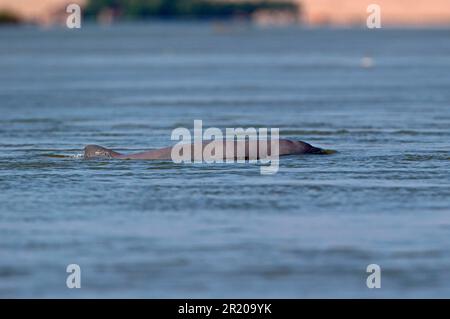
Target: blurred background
(310, 12)
(138, 69)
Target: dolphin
(286, 147)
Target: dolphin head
(95, 151)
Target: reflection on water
(158, 229)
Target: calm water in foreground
(157, 229)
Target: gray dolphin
(286, 147)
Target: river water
(381, 98)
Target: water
(158, 229)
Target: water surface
(158, 229)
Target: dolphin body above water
(286, 147)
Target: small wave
(54, 155)
(315, 132)
(425, 157)
(31, 121)
(131, 126)
(423, 132)
(51, 155)
(367, 132)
